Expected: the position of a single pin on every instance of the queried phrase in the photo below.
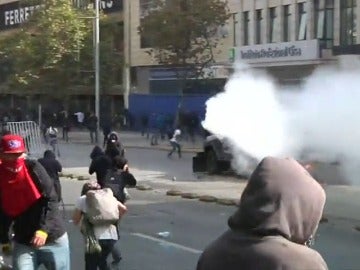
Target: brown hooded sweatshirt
(279, 211)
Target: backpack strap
(30, 165)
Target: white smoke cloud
(321, 118)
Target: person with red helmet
(28, 201)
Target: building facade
(147, 77)
(290, 38)
(287, 38)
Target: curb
(143, 187)
(173, 192)
(164, 148)
(202, 198)
(224, 201)
(83, 178)
(160, 148)
(207, 198)
(187, 195)
(74, 176)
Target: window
(246, 23)
(145, 40)
(287, 23)
(273, 25)
(145, 6)
(348, 22)
(324, 22)
(302, 23)
(258, 26)
(235, 28)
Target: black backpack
(30, 164)
(170, 133)
(115, 181)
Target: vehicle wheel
(212, 166)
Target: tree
(111, 57)
(44, 52)
(51, 52)
(184, 34)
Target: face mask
(15, 165)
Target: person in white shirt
(52, 138)
(107, 235)
(80, 119)
(174, 141)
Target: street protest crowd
(273, 227)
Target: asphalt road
(191, 224)
(77, 155)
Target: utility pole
(127, 52)
(97, 65)
(96, 54)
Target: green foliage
(184, 33)
(49, 52)
(110, 56)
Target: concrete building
(147, 77)
(288, 38)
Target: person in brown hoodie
(278, 215)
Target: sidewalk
(132, 139)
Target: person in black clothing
(106, 124)
(114, 146)
(53, 168)
(92, 126)
(100, 164)
(123, 178)
(145, 125)
(118, 184)
(66, 128)
(30, 203)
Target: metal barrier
(31, 133)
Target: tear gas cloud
(320, 118)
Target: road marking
(162, 241)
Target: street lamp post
(127, 52)
(97, 65)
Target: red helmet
(12, 144)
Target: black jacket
(117, 180)
(114, 147)
(52, 167)
(43, 215)
(100, 164)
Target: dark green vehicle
(216, 158)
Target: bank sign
(13, 14)
(278, 52)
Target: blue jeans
(54, 256)
(175, 146)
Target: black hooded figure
(53, 168)
(114, 147)
(100, 163)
